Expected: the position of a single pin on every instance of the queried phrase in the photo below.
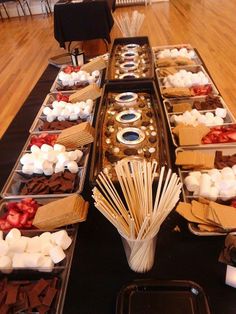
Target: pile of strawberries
(69, 69)
(201, 90)
(61, 97)
(221, 134)
(19, 214)
(44, 138)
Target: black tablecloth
(83, 21)
(99, 267)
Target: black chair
(18, 3)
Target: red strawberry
(77, 69)
(4, 225)
(24, 218)
(232, 136)
(68, 69)
(13, 218)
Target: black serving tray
(139, 87)
(162, 297)
(110, 77)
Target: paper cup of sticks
(138, 207)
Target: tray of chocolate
(201, 135)
(180, 105)
(175, 55)
(47, 169)
(130, 123)
(130, 59)
(58, 113)
(73, 78)
(35, 269)
(211, 181)
(185, 81)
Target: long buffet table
(99, 267)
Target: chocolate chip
(152, 139)
(149, 114)
(110, 122)
(107, 133)
(145, 123)
(130, 151)
(110, 157)
(141, 105)
(147, 154)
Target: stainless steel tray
(168, 103)
(13, 183)
(193, 69)
(158, 49)
(57, 87)
(40, 118)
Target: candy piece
(57, 255)
(62, 239)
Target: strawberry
(61, 97)
(68, 69)
(232, 136)
(13, 218)
(12, 205)
(24, 218)
(4, 225)
(77, 68)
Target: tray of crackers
(131, 58)
(130, 124)
(175, 55)
(185, 81)
(207, 184)
(47, 168)
(58, 113)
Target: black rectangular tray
(138, 86)
(109, 77)
(162, 297)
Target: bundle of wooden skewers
(130, 25)
(146, 205)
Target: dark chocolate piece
(130, 151)
(147, 154)
(110, 122)
(145, 123)
(50, 294)
(40, 286)
(152, 139)
(12, 291)
(149, 114)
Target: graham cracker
(96, 64)
(225, 214)
(91, 91)
(189, 136)
(199, 210)
(182, 107)
(184, 209)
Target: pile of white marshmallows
(50, 159)
(73, 78)
(194, 117)
(186, 79)
(174, 53)
(213, 184)
(39, 252)
(62, 110)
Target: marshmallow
(196, 174)
(205, 185)
(234, 169)
(4, 248)
(62, 239)
(227, 173)
(59, 167)
(34, 245)
(79, 155)
(27, 159)
(221, 112)
(17, 245)
(46, 264)
(59, 148)
(47, 111)
(56, 253)
(213, 193)
(46, 148)
(1, 235)
(28, 169)
(45, 236)
(72, 167)
(13, 234)
(18, 260)
(32, 259)
(5, 264)
(46, 247)
(192, 184)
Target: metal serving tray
(41, 118)
(138, 87)
(162, 296)
(193, 69)
(13, 183)
(110, 73)
(58, 87)
(158, 49)
(61, 270)
(168, 103)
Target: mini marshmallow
(192, 184)
(89, 102)
(13, 234)
(52, 156)
(61, 118)
(27, 159)
(72, 167)
(34, 149)
(62, 239)
(73, 117)
(79, 154)
(48, 170)
(227, 173)
(28, 169)
(63, 157)
(18, 260)
(72, 155)
(46, 148)
(46, 236)
(34, 245)
(196, 174)
(47, 111)
(221, 112)
(205, 185)
(46, 247)
(32, 259)
(4, 248)
(226, 195)
(234, 169)
(1, 235)
(213, 193)
(215, 175)
(59, 148)
(5, 264)
(95, 73)
(59, 167)
(17, 245)
(46, 264)
(56, 253)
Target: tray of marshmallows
(58, 113)
(209, 189)
(46, 168)
(185, 81)
(175, 55)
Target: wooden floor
(209, 25)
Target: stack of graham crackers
(190, 135)
(209, 216)
(91, 91)
(76, 136)
(96, 64)
(196, 160)
(182, 107)
(65, 211)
